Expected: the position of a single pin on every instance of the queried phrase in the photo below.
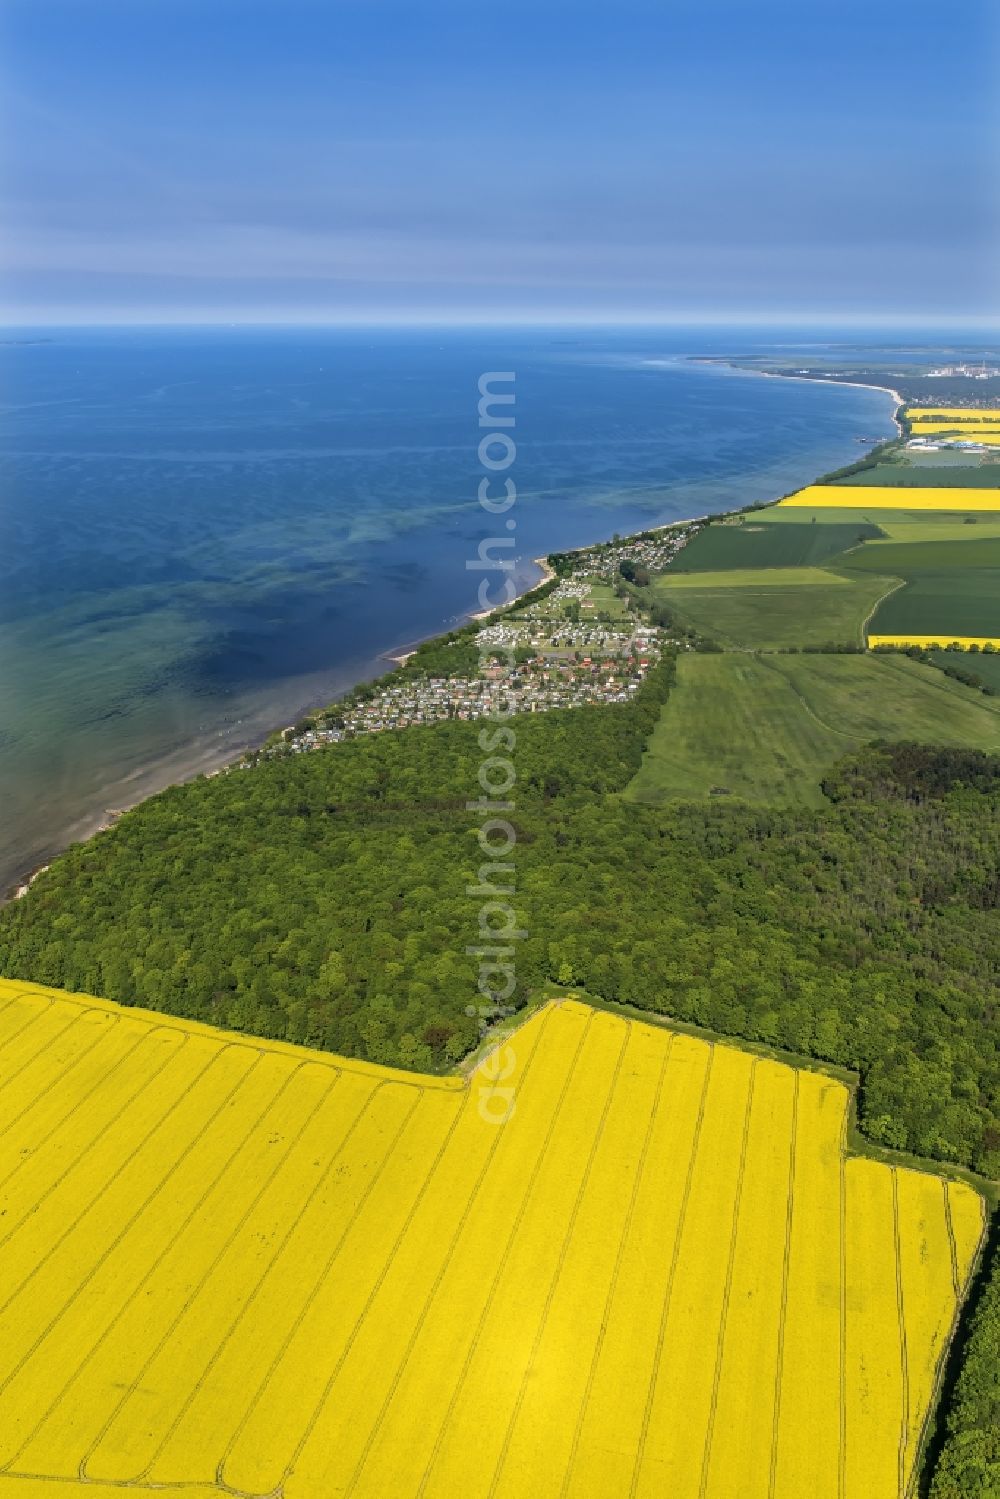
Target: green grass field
(776, 515)
(941, 530)
(906, 559)
(768, 608)
(767, 729)
(944, 605)
(606, 601)
(934, 469)
(985, 667)
(951, 576)
(752, 544)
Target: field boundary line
(860, 1146)
(898, 583)
(668, 1289)
(310, 1300)
(115, 1242)
(619, 1258)
(442, 1271)
(252, 1296)
(370, 1301)
(57, 1487)
(505, 1255)
(376, 1072)
(904, 1359)
(560, 1262)
(192, 1296)
(785, 1269)
(720, 1344)
(73, 1165)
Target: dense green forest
(324, 898)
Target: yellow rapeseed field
(956, 415)
(890, 497)
(615, 1263)
(989, 436)
(934, 642)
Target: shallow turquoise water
(204, 531)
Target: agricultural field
(927, 470)
(768, 608)
(905, 510)
(922, 417)
(959, 432)
(616, 1261)
(771, 607)
(951, 579)
(941, 528)
(946, 606)
(887, 497)
(752, 543)
(939, 572)
(767, 729)
(964, 423)
(931, 642)
(985, 667)
(972, 552)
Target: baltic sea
(205, 531)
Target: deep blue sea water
(202, 532)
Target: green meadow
(907, 558)
(951, 587)
(772, 581)
(928, 474)
(945, 605)
(985, 667)
(773, 608)
(859, 515)
(756, 544)
(767, 729)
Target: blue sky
(331, 159)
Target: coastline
(890, 390)
(548, 574)
(850, 384)
(211, 761)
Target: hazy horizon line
(965, 322)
